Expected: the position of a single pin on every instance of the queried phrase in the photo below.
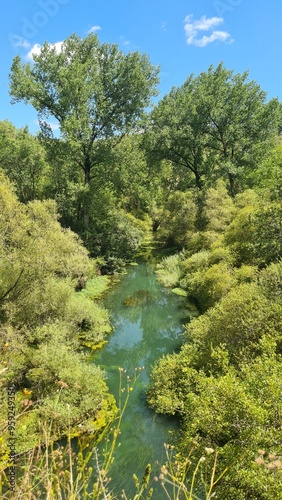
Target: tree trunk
(198, 180)
(231, 184)
(87, 171)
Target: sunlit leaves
(46, 320)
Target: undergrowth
(76, 470)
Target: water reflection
(147, 322)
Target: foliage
(177, 219)
(122, 241)
(95, 287)
(112, 179)
(79, 470)
(240, 121)
(217, 123)
(210, 286)
(83, 88)
(134, 181)
(169, 270)
(24, 161)
(267, 175)
(270, 282)
(177, 132)
(218, 208)
(45, 321)
(225, 383)
(231, 357)
(255, 234)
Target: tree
(215, 124)
(254, 235)
(218, 208)
(134, 181)
(178, 129)
(225, 384)
(268, 175)
(177, 220)
(23, 159)
(94, 91)
(240, 122)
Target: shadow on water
(147, 321)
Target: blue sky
(182, 36)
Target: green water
(147, 322)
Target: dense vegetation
(203, 172)
(46, 319)
(226, 382)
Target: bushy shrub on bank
(45, 323)
(225, 383)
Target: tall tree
(94, 90)
(178, 129)
(215, 124)
(240, 121)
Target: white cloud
(164, 25)
(36, 49)
(19, 41)
(53, 125)
(93, 29)
(193, 27)
(222, 36)
(127, 43)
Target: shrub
(170, 270)
(178, 219)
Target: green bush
(46, 321)
(169, 270)
(178, 219)
(208, 276)
(218, 208)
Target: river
(147, 321)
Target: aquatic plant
(138, 298)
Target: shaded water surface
(147, 321)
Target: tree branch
(12, 287)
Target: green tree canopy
(240, 120)
(23, 159)
(94, 90)
(178, 131)
(216, 123)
